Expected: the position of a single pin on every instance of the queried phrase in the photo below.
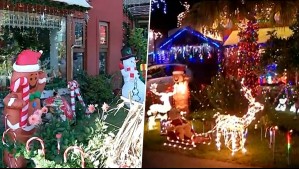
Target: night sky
(164, 22)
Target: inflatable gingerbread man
(27, 84)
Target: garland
(57, 5)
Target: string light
(182, 15)
(156, 4)
(155, 109)
(234, 129)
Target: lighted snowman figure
(282, 105)
(293, 109)
(132, 82)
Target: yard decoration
(59, 106)
(180, 132)
(234, 129)
(8, 158)
(159, 110)
(73, 86)
(182, 95)
(27, 83)
(126, 148)
(281, 105)
(75, 148)
(132, 82)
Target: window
(104, 45)
(78, 50)
(49, 36)
(78, 62)
(79, 32)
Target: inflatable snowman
(132, 82)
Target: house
(201, 54)
(138, 12)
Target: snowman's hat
(178, 70)
(126, 53)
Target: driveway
(161, 159)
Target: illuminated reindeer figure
(156, 110)
(234, 129)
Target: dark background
(164, 22)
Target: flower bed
(87, 140)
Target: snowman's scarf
(73, 86)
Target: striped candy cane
(75, 148)
(22, 83)
(74, 87)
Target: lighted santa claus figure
(181, 85)
(132, 82)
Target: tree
(248, 53)
(275, 52)
(283, 52)
(214, 14)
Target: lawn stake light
(289, 135)
(272, 133)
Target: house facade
(104, 37)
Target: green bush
(95, 89)
(225, 95)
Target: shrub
(95, 89)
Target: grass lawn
(258, 151)
(116, 120)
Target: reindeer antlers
(153, 88)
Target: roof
(135, 2)
(81, 3)
(138, 7)
(187, 36)
(282, 32)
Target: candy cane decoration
(22, 83)
(10, 156)
(74, 87)
(75, 148)
(38, 139)
(3, 136)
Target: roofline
(189, 29)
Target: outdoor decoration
(58, 106)
(155, 109)
(234, 129)
(78, 149)
(182, 94)
(180, 132)
(132, 82)
(157, 4)
(194, 53)
(27, 84)
(125, 150)
(281, 105)
(289, 136)
(8, 157)
(248, 53)
(73, 86)
(182, 15)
